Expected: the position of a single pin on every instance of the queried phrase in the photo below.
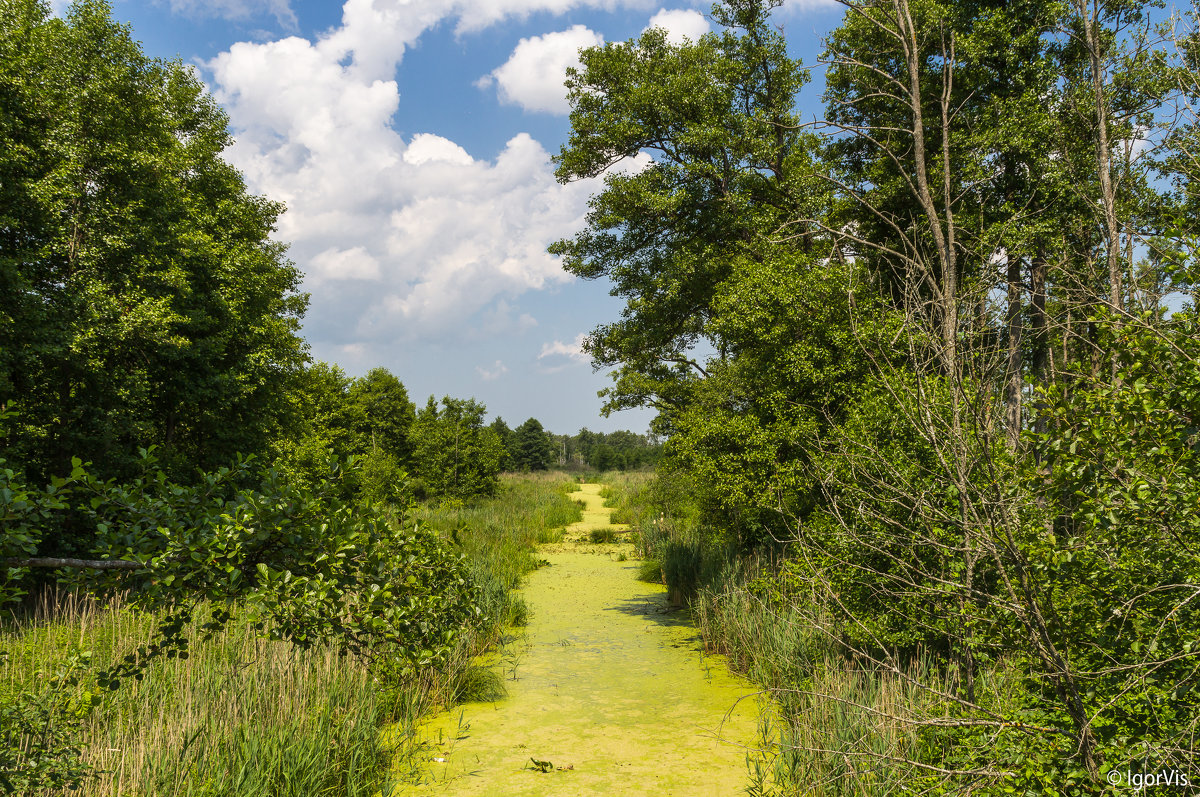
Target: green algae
(609, 692)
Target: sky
(411, 141)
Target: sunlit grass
(242, 715)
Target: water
(611, 688)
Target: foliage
(370, 417)
(457, 457)
(298, 560)
(40, 737)
(601, 451)
(386, 413)
(143, 301)
(729, 167)
(921, 388)
(1119, 562)
(505, 436)
(532, 448)
(302, 558)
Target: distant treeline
(530, 447)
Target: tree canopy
(887, 347)
(144, 301)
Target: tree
(386, 413)
(299, 561)
(142, 300)
(505, 435)
(730, 170)
(456, 456)
(326, 424)
(864, 409)
(532, 448)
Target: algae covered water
(612, 693)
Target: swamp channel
(609, 691)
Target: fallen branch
(79, 564)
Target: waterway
(609, 689)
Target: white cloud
(237, 9)
(407, 237)
(533, 75)
(680, 24)
(491, 374)
(344, 264)
(426, 147)
(558, 355)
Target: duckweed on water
(612, 688)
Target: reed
(242, 715)
(837, 727)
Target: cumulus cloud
(557, 355)
(533, 75)
(406, 237)
(344, 264)
(680, 24)
(491, 374)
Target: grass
(839, 727)
(245, 716)
(603, 535)
(240, 715)
(623, 492)
(499, 535)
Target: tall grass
(838, 728)
(498, 536)
(245, 716)
(623, 492)
(240, 715)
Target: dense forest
(926, 373)
(926, 368)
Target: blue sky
(411, 141)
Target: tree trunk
(1014, 382)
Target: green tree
(730, 169)
(532, 448)
(326, 423)
(506, 437)
(456, 456)
(386, 413)
(142, 300)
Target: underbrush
(839, 725)
(242, 715)
(239, 715)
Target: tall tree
(532, 448)
(729, 169)
(386, 413)
(455, 455)
(144, 301)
